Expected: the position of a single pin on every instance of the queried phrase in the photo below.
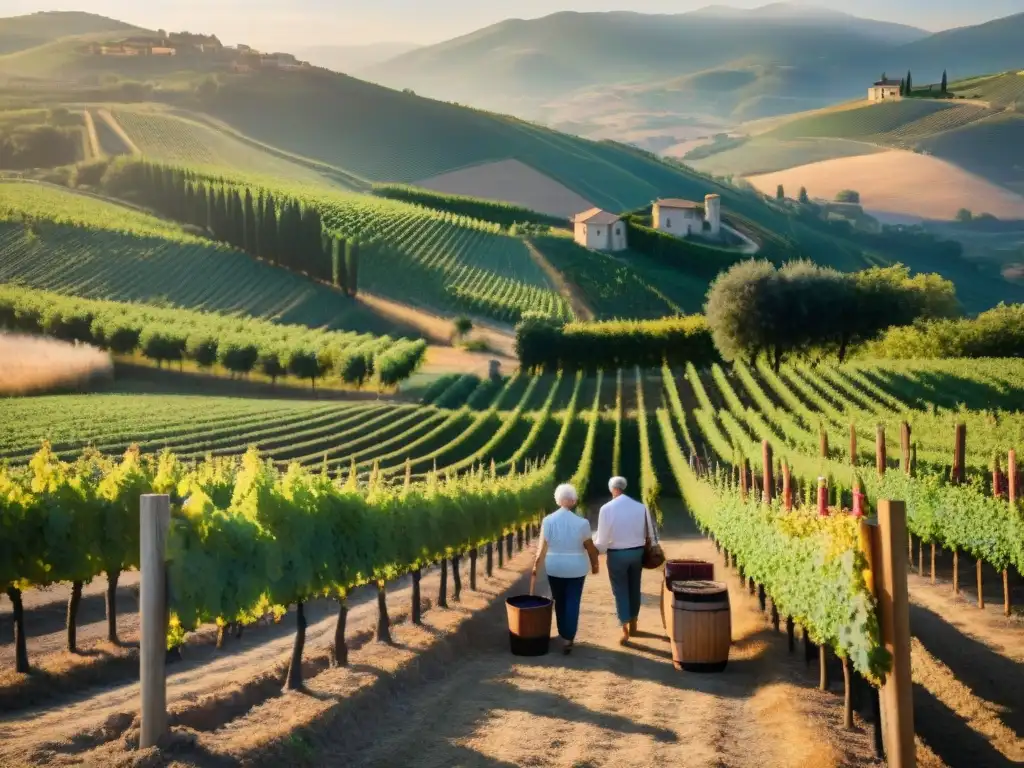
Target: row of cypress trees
(281, 230)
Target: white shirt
(565, 531)
(620, 524)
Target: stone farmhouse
(683, 218)
(600, 230)
(884, 90)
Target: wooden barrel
(681, 570)
(529, 624)
(701, 625)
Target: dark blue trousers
(567, 594)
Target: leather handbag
(654, 555)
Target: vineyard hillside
(31, 30)
(177, 140)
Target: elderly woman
(624, 525)
(568, 553)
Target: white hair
(565, 494)
(617, 484)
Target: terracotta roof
(675, 202)
(893, 83)
(596, 216)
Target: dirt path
(611, 706)
(564, 287)
(106, 116)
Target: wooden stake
(1007, 597)
(956, 571)
(905, 446)
(959, 451)
(880, 450)
(790, 633)
(933, 563)
(775, 617)
(787, 487)
(769, 468)
(981, 593)
(155, 518)
(920, 557)
(853, 444)
(890, 579)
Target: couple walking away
(569, 550)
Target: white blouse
(620, 524)
(565, 531)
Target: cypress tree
(910, 84)
(339, 271)
(210, 195)
(945, 82)
(238, 221)
(270, 229)
(311, 257)
(903, 86)
(250, 229)
(352, 267)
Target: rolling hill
(978, 129)
(18, 33)
(718, 64)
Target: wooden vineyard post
(790, 633)
(500, 544)
(743, 483)
(905, 446)
(959, 449)
(473, 554)
(889, 577)
(880, 450)
(489, 569)
(769, 467)
(853, 444)
(155, 519)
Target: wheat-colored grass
(29, 365)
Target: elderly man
(623, 527)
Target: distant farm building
(683, 218)
(158, 50)
(600, 230)
(884, 90)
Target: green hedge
(541, 343)
(692, 258)
(996, 333)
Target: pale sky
(284, 23)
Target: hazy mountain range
(716, 63)
(352, 58)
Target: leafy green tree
(237, 356)
(162, 345)
(803, 196)
(462, 325)
(304, 364)
(269, 364)
(202, 349)
(964, 216)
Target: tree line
(281, 230)
(505, 214)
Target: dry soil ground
(899, 183)
(448, 693)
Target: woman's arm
(593, 553)
(542, 550)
